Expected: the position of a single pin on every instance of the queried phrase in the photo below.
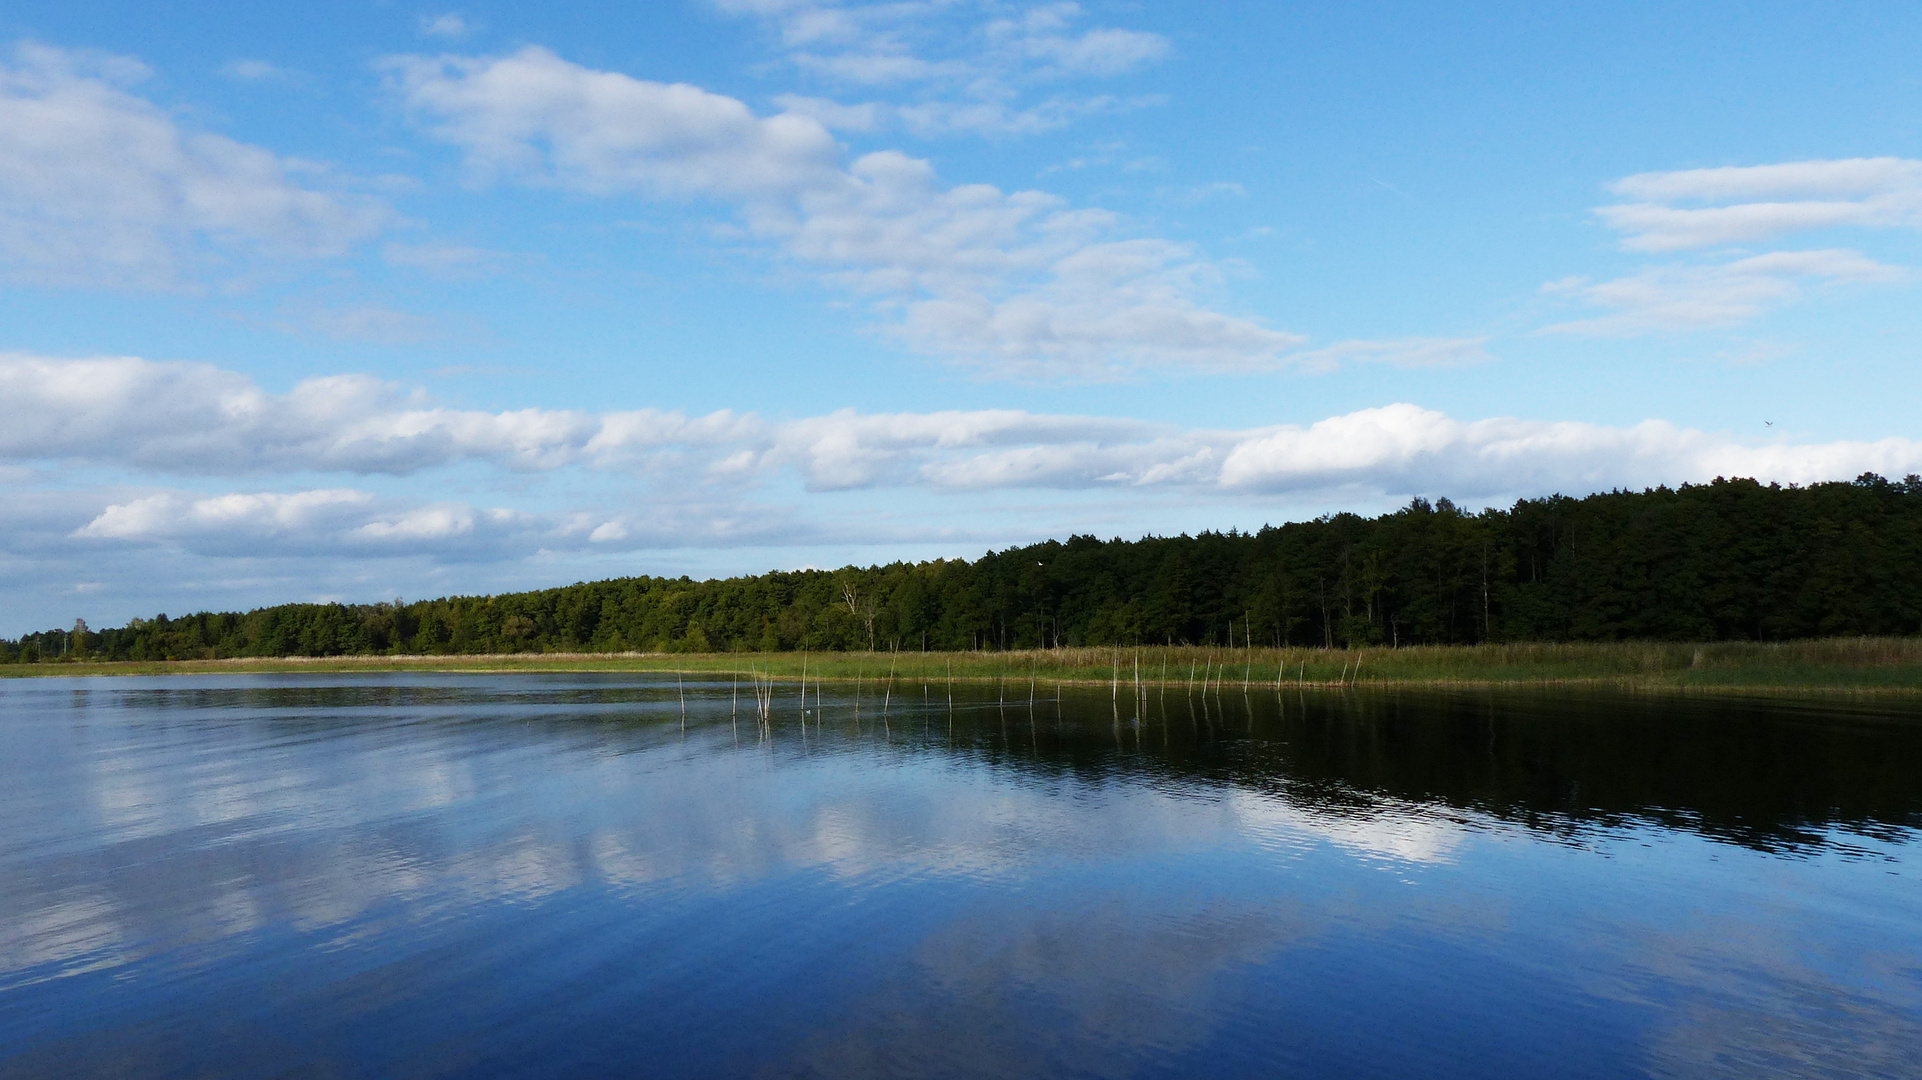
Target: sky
(360, 301)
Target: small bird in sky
(1768, 423)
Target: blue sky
(373, 300)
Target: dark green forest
(1728, 560)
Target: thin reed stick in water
(889, 697)
(1034, 731)
(682, 687)
(887, 730)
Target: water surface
(557, 875)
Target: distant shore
(1849, 665)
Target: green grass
(1879, 665)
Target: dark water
(425, 876)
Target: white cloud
(1690, 297)
(1045, 35)
(349, 522)
(368, 323)
(1739, 205)
(197, 419)
(892, 43)
(931, 119)
(449, 25)
(535, 116)
(835, 115)
(318, 522)
(1014, 282)
(1405, 449)
(252, 516)
(1415, 352)
(252, 70)
(847, 449)
(100, 187)
(1721, 207)
(953, 68)
(442, 259)
(185, 419)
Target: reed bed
(1838, 664)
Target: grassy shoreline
(1833, 665)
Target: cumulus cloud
(99, 186)
(1014, 282)
(1689, 297)
(535, 116)
(350, 522)
(337, 520)
(1697, 208)
(1405, 449)
(197, 419)
(252, 516)
(185, 419)
(847, 449)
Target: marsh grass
(1831, 664)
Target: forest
(1728, 560)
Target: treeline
(1732, 559)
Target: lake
(413, 875)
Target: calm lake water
(548, 876)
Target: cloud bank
(189, 419)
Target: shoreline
(1847, 666)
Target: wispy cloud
(443, 260)
(370, 323)
(931, 119)
(892, 42)
(1691, 297)
(948, 68)
(252, 70)
(448, 25)
(1698, 208)
(1016, 283)
(1416, 352)
(101, 187)
(1720, 208)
